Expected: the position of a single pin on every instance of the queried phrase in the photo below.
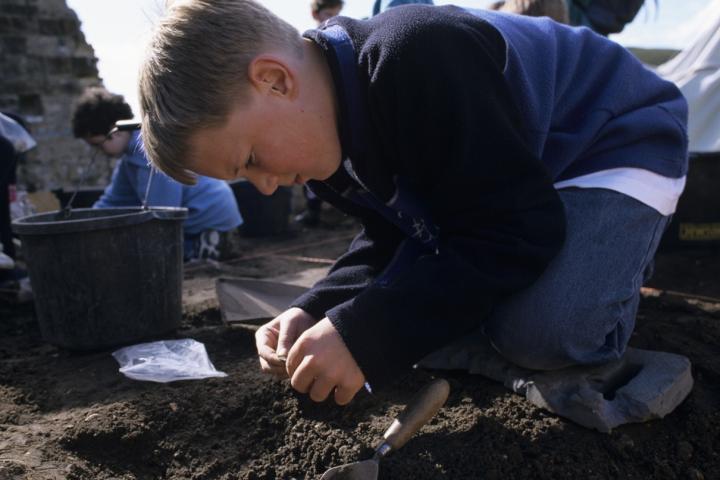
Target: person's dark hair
(318, 5)
(555, 9)
(605, 16)
(96, 112)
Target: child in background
(604, 16)
(513, 175)
(322, 10)
(382, 5)
(7, 167)
(555, 9)
(212, 210)
(15, 141)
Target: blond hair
(196, 71)
(555, 9)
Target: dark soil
(69, 415)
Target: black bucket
(85, 197)
(105, 277)
(696, 222)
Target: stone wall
(46, 63)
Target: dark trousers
(313, 202)
(7, 175)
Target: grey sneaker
(6, 263)
(209, 245)
(25, 293)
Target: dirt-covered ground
(69, 415)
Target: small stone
(685, 450)
(492, 475)
(663, 471)
(515, 456)
(695, 474)
(625, 442)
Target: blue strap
(345, 54)
(403, 210)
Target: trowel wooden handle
(421, 408)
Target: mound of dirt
(68, 415)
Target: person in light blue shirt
(212, 209)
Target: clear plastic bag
(166, 361)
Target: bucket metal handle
(50, 223)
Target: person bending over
(212, 210)
(512, 174)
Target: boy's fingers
(270, 362)
(266, 343)
(267, 335)
(268, 354)
(301, 379)
(293, 359)
(286, 337)
(278, 371)
(320, 389)
(344, 394)
(291, 324)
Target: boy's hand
(319, 363)
(274, 339)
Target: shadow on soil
(65, 415)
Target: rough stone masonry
(46, 63)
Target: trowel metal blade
(365, 470)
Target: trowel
(417, 413)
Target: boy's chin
(326, 175)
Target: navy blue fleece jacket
(478, 114)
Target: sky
(119, 31)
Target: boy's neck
(317, 73)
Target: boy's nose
(266, 184)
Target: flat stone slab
(304, 278)
(253, 301)
(641, 386)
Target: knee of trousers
(558, 344)
(530, 355)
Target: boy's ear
(271, 75)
